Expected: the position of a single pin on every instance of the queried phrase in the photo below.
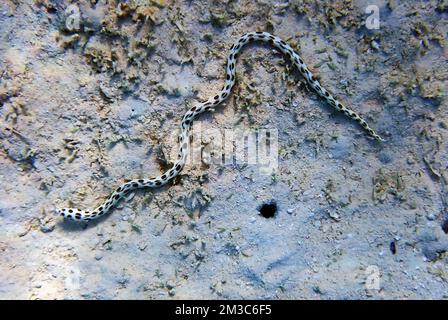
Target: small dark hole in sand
(51, 10)
(268, 209)
(445, 226)
(393, 247)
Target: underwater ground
(92, 94)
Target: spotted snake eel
(296, 60)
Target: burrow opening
(268, 209)
(445, 226)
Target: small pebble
(170, 285)
(47, 228)
(334, 215)
(375, 45)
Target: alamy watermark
(73, 279)
(373, 20)
(73, 18)
(227, 147)
(373, 276)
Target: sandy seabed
(86, 104)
